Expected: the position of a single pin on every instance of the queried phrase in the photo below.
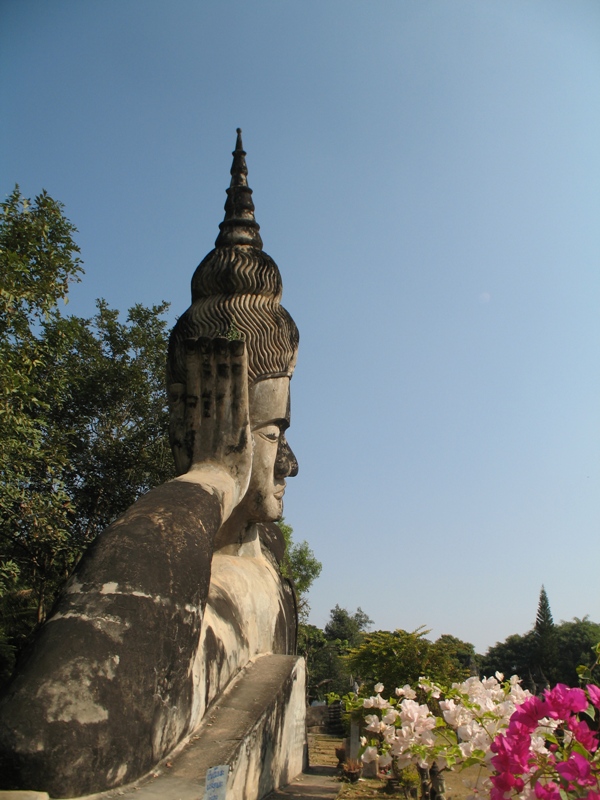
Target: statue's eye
(270, 432)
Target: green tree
(518, 654)
(575, 641)
(463, 653)
(115, 417)
(83, 416)
(544, 667)
(327, 670)
(301, 566)
(347, 627)
(38, 260)
(313, 645)
(544, 623)
(514, 656)
(398, 657)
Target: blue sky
(426, 174)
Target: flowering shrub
(403, 731)
(547, 751)
(537, 748)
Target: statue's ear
(180, 446)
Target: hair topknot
(236, 291)
(238, 269)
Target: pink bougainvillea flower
(547, 791)
(512, 754)
(502, 785)
(584, 735)
(527, 715)
(594, 694)
(563, 701)
(576, 769)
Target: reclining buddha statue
(177, 596)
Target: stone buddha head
(236, 293)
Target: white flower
(500, 676)
(489, 683)
(407, 692)
(415, 714)
(385, 760)
(403, 760)
(375, 702)
(369, 755)
(390, 717)
(374, 724)
(379, 688)
(538, 744)
(451, 712)
(379, 702)
(363, 741)
(389, 734)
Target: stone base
(257, 727)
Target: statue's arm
(210, 426)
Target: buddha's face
(273, 460)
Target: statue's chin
(271, 510)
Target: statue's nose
(286, 465)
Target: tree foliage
(545, 643)
(514, 656)
(301, 566)
(548, 653)
(83, 416)
(518, 654)
(345, 627)
(544, 623)
(398, 657)
(38, 260)
(325, 651)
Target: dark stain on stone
(229, 613)
(214, 653)
(271, 539)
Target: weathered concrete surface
(250, 611)
(75, 691)
(257, 727)
(106, 689)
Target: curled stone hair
(236, 291)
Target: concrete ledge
(26, 795)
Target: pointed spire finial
(239, 225)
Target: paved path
(318, 783)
